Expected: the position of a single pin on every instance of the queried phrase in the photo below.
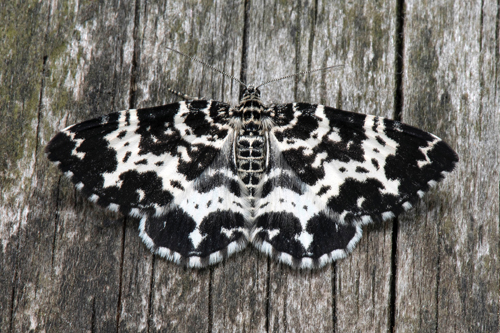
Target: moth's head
(251, 93)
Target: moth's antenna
(300, 73)
(209, 66)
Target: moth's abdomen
(250, 159)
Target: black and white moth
(296, 180)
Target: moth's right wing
(332, 171)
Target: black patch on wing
(351, 190)
(301, 163)
(199, 122)
(212, 226)
(348, 125)
(155, 140)
(206, 184)
(282, 180)
(323, 190)
(307, 123)
(201, 157)
(152, 126)
(408, 154)
(172, 230)
(288, 226)
(328, 235)
(127, 195)
(283, 114)
(99, 158)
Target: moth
(296, 180)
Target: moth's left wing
(172, 166)
(334, 171)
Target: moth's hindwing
(154, 164)
(333, 171)
(292, 223)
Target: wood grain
(448, 281)
(67, 265)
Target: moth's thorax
(250, 142)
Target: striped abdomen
(250, 159)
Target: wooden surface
(67, 265)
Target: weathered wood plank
(22, 36)
(299, 37)
(239, 293)
(447, 277)
(89, 77)
(364, 41)
(190, 300)
(281, 40)
(67, 265)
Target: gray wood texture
(68, 266)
